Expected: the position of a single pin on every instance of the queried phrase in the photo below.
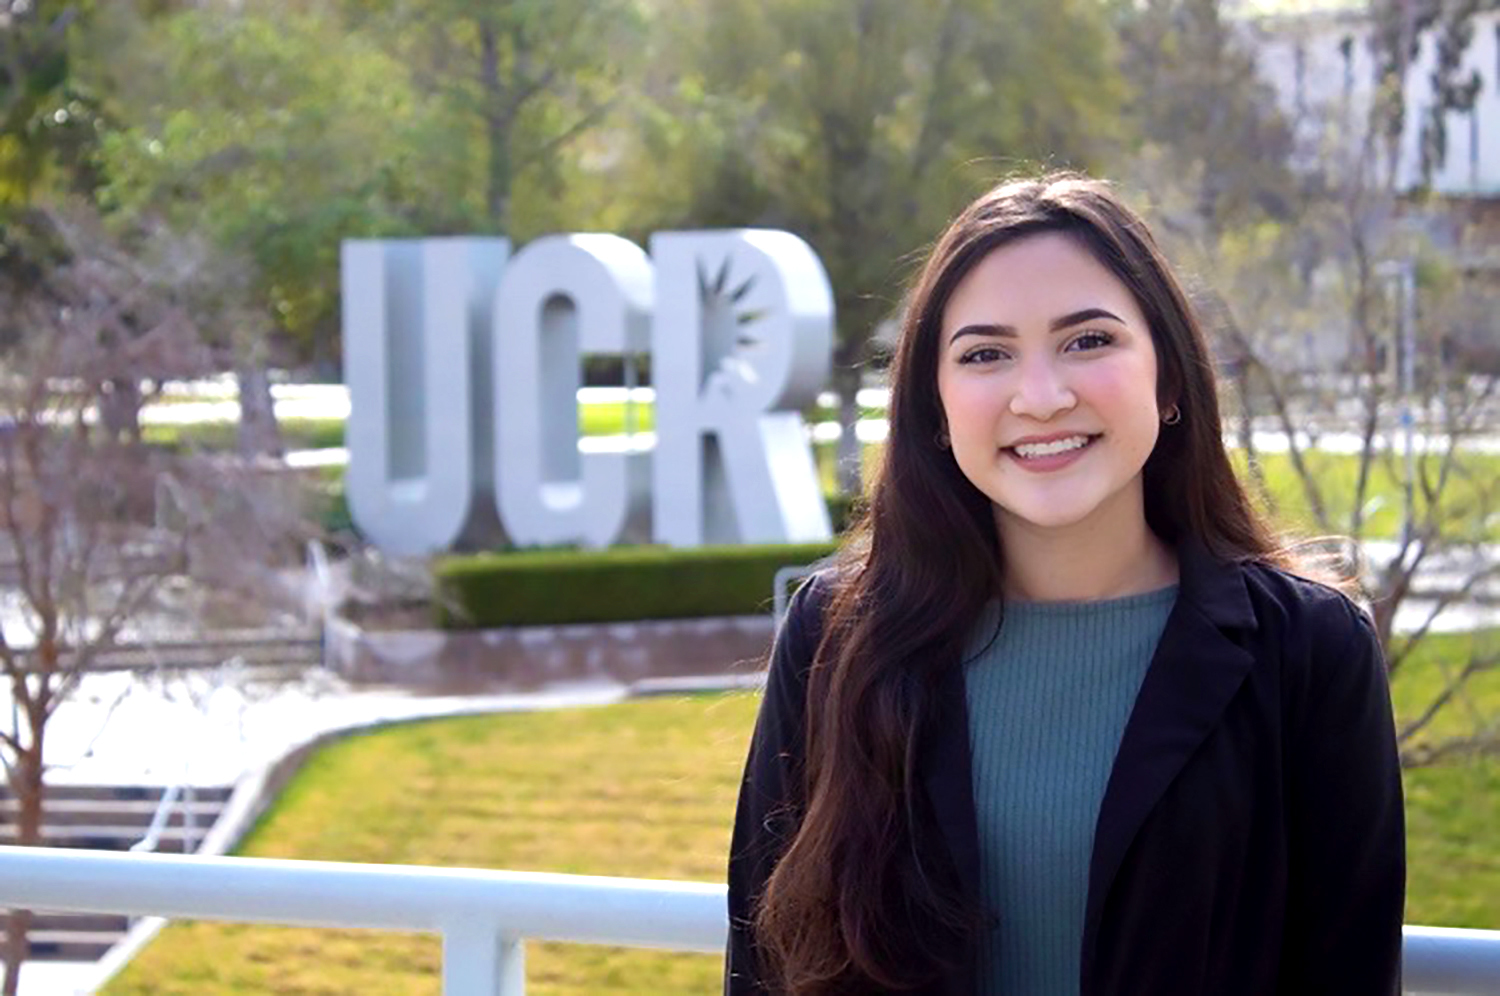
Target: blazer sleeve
(1346, 824)
(769, 809)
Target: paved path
(210, 729)
(56, 978)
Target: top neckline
(1142, 600)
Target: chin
(1050, 517)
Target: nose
(1041, 392)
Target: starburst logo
(730, 313)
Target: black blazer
(1250, 840)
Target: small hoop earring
(1173, 416)
(941, 439)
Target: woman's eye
(1090, 340)
(984, 354)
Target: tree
(862, 125)
(1331, 327)
(1196, 95)
(1388, 295)
(517, 87)
(99, 531)
(46, 118)
(270, 135)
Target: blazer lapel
(1194, 673)
(947, 778)
(945, 774)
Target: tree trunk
(848, 468)
(259, 435)
(1246, 423)
(26, 782)
(497, 130)
(120, 409)
(17, 926)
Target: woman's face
(1047, 378)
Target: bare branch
(130, 603)
(10, 741)
(103, 724)
(1427, 755)
(1295, 451)
(1440, 605)
(1454, 685)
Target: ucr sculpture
(463, 366)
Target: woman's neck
(1089, 562)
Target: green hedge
(621, 584)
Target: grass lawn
(296, 434)
(640, 789)
(1472, 493)
(643, 788)
(1452, 810)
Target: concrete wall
(530, 657)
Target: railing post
(479, 961)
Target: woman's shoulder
(809, 605)
(800, 632)
(1297, 591)
(1308, 620)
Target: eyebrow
(1009, 331)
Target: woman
(1060, 721)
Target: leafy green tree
(276, 131)
(270, 134)
(862, 125)
(520, 90)
(46, 117)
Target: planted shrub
(620, 584)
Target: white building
(1320, 63)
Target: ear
(1168, 396)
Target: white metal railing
(484, 917)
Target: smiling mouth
(1052, 448)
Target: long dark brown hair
(861, 899)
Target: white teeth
(1030, 451)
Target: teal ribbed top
(1048, 699)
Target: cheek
(1125, 397)
(1117, 387)
(970, 405)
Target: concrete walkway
(212, 728)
